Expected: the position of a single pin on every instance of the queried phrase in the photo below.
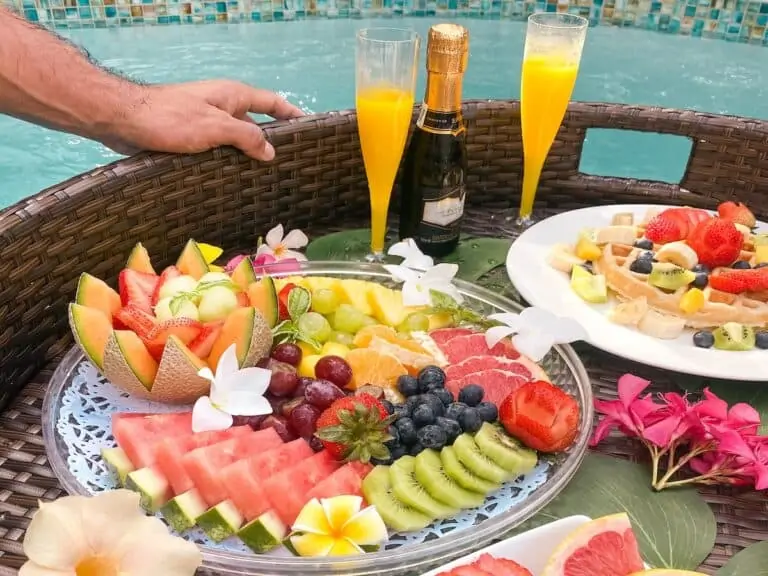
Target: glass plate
(79, 402)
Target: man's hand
(194, 117)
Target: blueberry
(454, 411)
(451, 428)
(644, 244)
(395, 441)
(397, 452)
(432, 436)
(470, 420)
(423, 415)
(444, 394)
(416, 449)
(408, 386)
(741, 265)
(701, 268)
(488, 411)
(647, 256)
(471, 395)
(401, 411)
(588, 267)
(703, 339)
(641, 266)
(761, 340)
(431, 400)
(407, 431)
(388, 406)
(430, 378)
(701, 280)
(412, 402)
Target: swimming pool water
(311, 62)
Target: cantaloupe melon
(263, 297)
(139, 261)
(243, 274)
(92, 330)
(135, 354)
(249, 331)
(192, 262)
(95, 293)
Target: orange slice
(372, 367)
(365, 335)
(413, 361)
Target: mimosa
(383, 116)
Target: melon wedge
(192, 262)
(95, 293)
(126, 351)
(91, 330)
(263, 296)
(139, 261)
(243, 273)
(249, 331)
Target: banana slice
(678, 253)
(616, 235)
(661, 326)
(746, 232)
(623, 219)
(562, 258)
(629, 313)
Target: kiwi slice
(377, 490)
(459, 473)
(589, 287)
(408, 489)
(428, 469)
(734, 336)
(668, 276)
(469, 454)
(505, 450)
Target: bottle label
(441, 216)
(440, 122)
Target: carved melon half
(91, 329)
(249, 331)
(95, 293)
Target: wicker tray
(318, 184)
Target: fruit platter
(314, 419)
(678, 288)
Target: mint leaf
(442, 302)
(299, 301)
(307, 340)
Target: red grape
(288, 353)
(280, 424)
(335, 369)
(289, 406)
(303, 383)
(322, 393)
(252, 421)
(304, 419)
(284, 378)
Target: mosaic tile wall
(733, 20)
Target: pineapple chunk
(297, 280)
(315, 283)
(443, 320)
(387, 305)
(761, 254)
(356, 293)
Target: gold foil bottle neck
(447, 49)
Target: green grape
(348, 319)
(324, 301)
(369, 321)
(315, 326)
(342, 338)
(416, 322)
(404, 335)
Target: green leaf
(752, 561)
(754, 394)
(442, 301)
(675, 528)
(299, 301)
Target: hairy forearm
(46, 80)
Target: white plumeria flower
(412, 256)
(282, 247)
(234, 392)
(417, 285)
(104, 534)
(535, 331)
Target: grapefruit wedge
(667, 572)
(603, 547)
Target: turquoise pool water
(312, 64)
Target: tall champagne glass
(553, 47)
(385, 81)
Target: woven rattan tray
(317, 183)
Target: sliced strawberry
(135, 318)
(202, 344)
(738, 281)
(667, 226)
(717, 242)
(185, 329)
(168, 273)
(282, 301)
(137, 288)
(737, 213)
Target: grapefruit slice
(444, 335)
(478, 363)
(603, 547)
(667, 572)
(462, 347)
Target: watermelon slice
(345, 480)
(287, 491)
(478, 363)
(462, 347)
(204, 465)
(361, 468)
(170, 452)
(243, 479)
(139, 434)
(441, 336)
(498, 384)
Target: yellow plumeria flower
(337, 527)
(210, 255)
(104, 535)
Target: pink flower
(232, 264)
(712, 414)
(267, 264)
(742, 456)
(672, 422)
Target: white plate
(544, 287)
(531, 549)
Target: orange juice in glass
(385, 81)
(553, 47)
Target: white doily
(83, 423)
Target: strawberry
(185, 329)
(738, 281)
(674, 224)
(203, 343)
(137, 287)
(282, 301)
(135, 318)
(168, 273)
(737, 213)
(717, 242)
(355, 428)
(541, 415)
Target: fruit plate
(76, 425)
(545, 287)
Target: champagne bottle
(432, 186)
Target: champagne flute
(553, 47)
(385, 80)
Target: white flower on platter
(412, 256)
(281, 247)
(417, 285)
(535, 331)
(234, 392)
(104, 535)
